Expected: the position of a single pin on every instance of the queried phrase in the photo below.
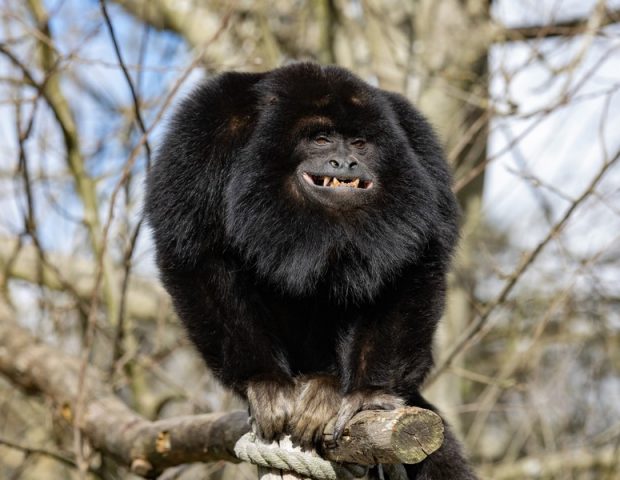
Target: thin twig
(39, 451)
(469, 336)
(134, 94)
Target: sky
(567, 147)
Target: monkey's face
(328, 191)
(336, 171)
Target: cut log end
(416, 435)
(406, 435)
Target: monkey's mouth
(336, 182)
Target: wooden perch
(406, 435)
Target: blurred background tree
(524, 97)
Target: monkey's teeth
(334, 182)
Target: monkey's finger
(346, 412)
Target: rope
(285, 456)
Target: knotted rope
(285, 456)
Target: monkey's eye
(321, 140)
(359, 143)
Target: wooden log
(405, 435)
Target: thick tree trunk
(450, 65)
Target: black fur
(286, 299)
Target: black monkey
(304, 223)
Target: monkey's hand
(271, 401)
(363, 399)
(318, 399)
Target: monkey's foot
(363, 399)
(271, 403)
(317, 401)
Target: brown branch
(121, 327)
(567, 28)
(132, 89)
(406, 435)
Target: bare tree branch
(146, 300)
(567, 28)
(475, 327)
(85, 185)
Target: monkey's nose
(343, 164)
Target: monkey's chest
(308, 335)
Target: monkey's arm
(389, 359)
(385, 357)
(223, 318)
